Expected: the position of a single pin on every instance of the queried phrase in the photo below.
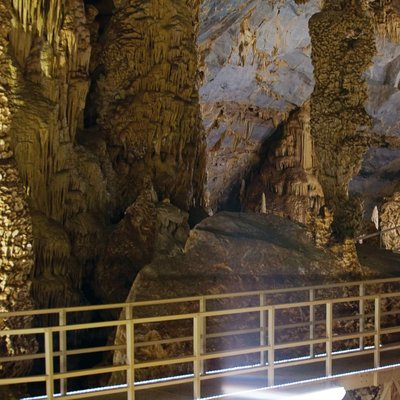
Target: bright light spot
(336, 393)
(333, 393)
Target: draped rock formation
(287, 178)
(147, 99)
(104, 110)
(255, 72)
(16, 255)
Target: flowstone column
(343, 45)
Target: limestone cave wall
(16, 254)
(101, 143)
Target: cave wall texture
(121, 120)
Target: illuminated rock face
(232, 252)
(147, 99)
(50, 44)
(16, 254)
(287, 179)
(263, 60)
(86, 174)
(256, 66)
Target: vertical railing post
(202, 330)
(263, 324)
(62, 321)
(377, 336)
(49, 366)
(311, 296)
(329, 334)
(197, 360)
(362, 313)
(130, 352)
(271, 344)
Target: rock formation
(287, 178)
(233, 252)
(147, 99)
(97, 114)
(255, 72)
(342, 48)
(16, 255)
(390, 222)
(120, 121)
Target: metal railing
(217, 336)
(379, 233)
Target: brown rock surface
(390, 220)
(16, 255)
(147, 99)
(343, 45)
(232, 252)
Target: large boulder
(229, 252)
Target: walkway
(208, 346)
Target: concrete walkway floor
(238, 385)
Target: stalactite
(51, 41)
(385, 16)
(390, 219)
(148, 100)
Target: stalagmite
(263, 204)
(289, 173)
(340, 36)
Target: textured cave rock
(256, 65)
(240, 251)
(275, 108)
(83, 172)
(16, 255)
(65, 183)
(389, 219)
(342, 48)
(148, 229)
(93, 106)
(147, 99)
(244, 99)
(287, 179)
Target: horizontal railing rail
(137, 304)
(269, 336)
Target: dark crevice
(106, 9)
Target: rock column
(343, 45)
(16, 255)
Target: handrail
(361, 238)
(145, 303)
(262, 345)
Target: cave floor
(247, 382)
(384, 262)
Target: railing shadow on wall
(280, 336)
